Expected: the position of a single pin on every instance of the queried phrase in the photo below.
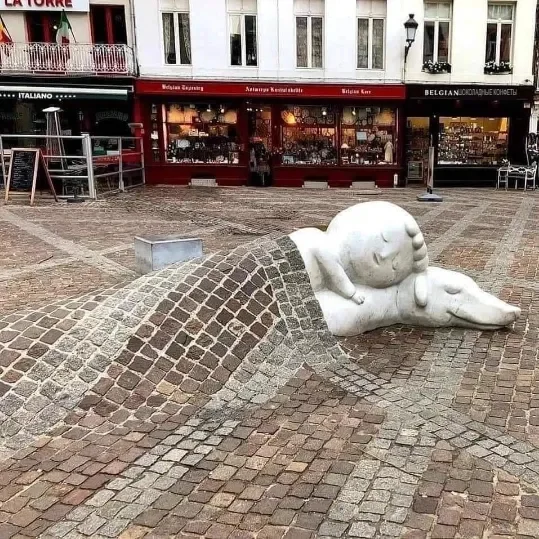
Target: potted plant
(436, 68)
(503, 68)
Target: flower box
(503, 68)
(436, 68)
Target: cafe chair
(503, 176)
(525, 174)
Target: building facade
(75, 55)
(312, 91)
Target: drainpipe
(134, 32)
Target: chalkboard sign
(28, 172)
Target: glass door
(417, 149)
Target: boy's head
(386, 254)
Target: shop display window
(154, 133)
(368, 136)
(308, 135)
(201, 134)
(473, 141)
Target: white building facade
(322, 87)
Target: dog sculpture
(452, 299)
(370, 269)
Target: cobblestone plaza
(209, 399)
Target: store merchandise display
(201, 134)
(473, 141)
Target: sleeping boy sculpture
(370, 269)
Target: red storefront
(335, 133)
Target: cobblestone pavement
(209, 400)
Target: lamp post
(411, 28)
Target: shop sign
(45, 5)
(111, 115)
(34, 95)
(492, 93)
(237, 89)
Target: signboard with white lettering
(465, 92)
(45, 5)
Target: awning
(39, 93)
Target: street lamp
(411, 28)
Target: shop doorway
(260, 144)
(417, 149)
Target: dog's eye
(450, 289)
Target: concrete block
(315, 185)
(156, 252)
(364, 185)
(203, 182)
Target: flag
(62, 33)
(4, 34)
(5, 37)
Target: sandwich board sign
(28, 172)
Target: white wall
(80, 22)
(468, 35)
(276, 45)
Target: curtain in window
(428, 41)
(185, 38)
(378, 44)
(363, 43)
(500, 11)
(250, 40)
(301, 42)
(490, 55)
(317, 41)
(169, 40)
(505, 43)
(443, 42)
(235, 40)
(431, 10)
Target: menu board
(28, 172)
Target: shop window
(437, 32)
(242, 30)
(176, 32)
(309, 33)
(308, 135)
(370, 33)
(154, 133)
(472, 141)
(499, 33)
(196, 133)
(368, 136)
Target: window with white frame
(499, 32)
(176, 31)
(242, 32)
(437, 32)
(309, 33)
(371, 18)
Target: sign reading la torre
(49, 5)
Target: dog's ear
(421, 290)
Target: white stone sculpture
(370, 269)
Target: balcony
(74, 59)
